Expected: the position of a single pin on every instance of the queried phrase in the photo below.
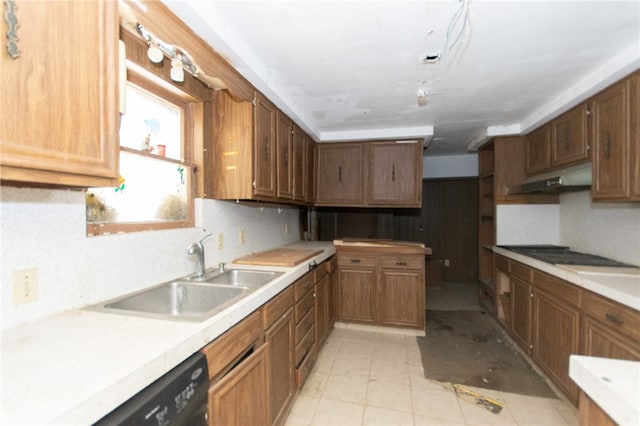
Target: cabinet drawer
(557, 287)
(224, 351)
(302, 286)
(276, 307)
(305, 367)
(356, 260)
(619, 317)
(321, 271)
(304, 306)
(412, 262)
(305, 344)
(521, 271)
(305, 325)
(502, 263)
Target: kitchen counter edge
(599, 284)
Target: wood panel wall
(447, 222)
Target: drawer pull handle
(614, 319)
(355, 260)
(401, 263)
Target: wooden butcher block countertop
(278, 257)
(390, 246)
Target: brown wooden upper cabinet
(310, 154)
(340, 174)
(616, 142)
(538, 157)
(298, 168)
(284, 137)
(59, 121)
(395, 173)
(569, 137)
(370, 174)
(245, 149)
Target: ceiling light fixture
(177, 69)
(422, 97)
(158, 49)
(431, 59)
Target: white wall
(606, 229)
(444, 166)
(528, 224)
(45, 229)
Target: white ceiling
(352, 70)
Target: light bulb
(177, 72)
(155, 54)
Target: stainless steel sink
(243, 277)
(177, 300)
(192, 298)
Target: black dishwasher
(177, 398)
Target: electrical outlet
(286, 228)
(243, 236)
(25, 286)
(220, 241)
(446, 263)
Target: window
(156, 188)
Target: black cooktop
(562, 255)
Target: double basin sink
(191, 298)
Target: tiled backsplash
(45, 229)
(605, 229)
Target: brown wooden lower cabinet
(555, 337)
(238, 371)
(356, 294)
(399, 302)
(552, 319)
(521, 322)
(590, 413)
(240, 398)
(256, 367)
(381, 287)
(278, 324)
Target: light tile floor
(375, 378)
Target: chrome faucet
(198, 250)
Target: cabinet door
(310, 153)
(242, 397)
(59, 98)
(340, 174)
(264, 162)
(322, 311)
(602, 341)
(635, 137)
(356, 294)
(538, 150)
(284, 134)
(555, 337)
(521, 313)
(298, 164)
(394, 173)
(399, 297)
(569, 139)
(281, 367)
(611, 143)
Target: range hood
(575, 178)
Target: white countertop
(75, 367)
(619, 284)
(613, 384)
